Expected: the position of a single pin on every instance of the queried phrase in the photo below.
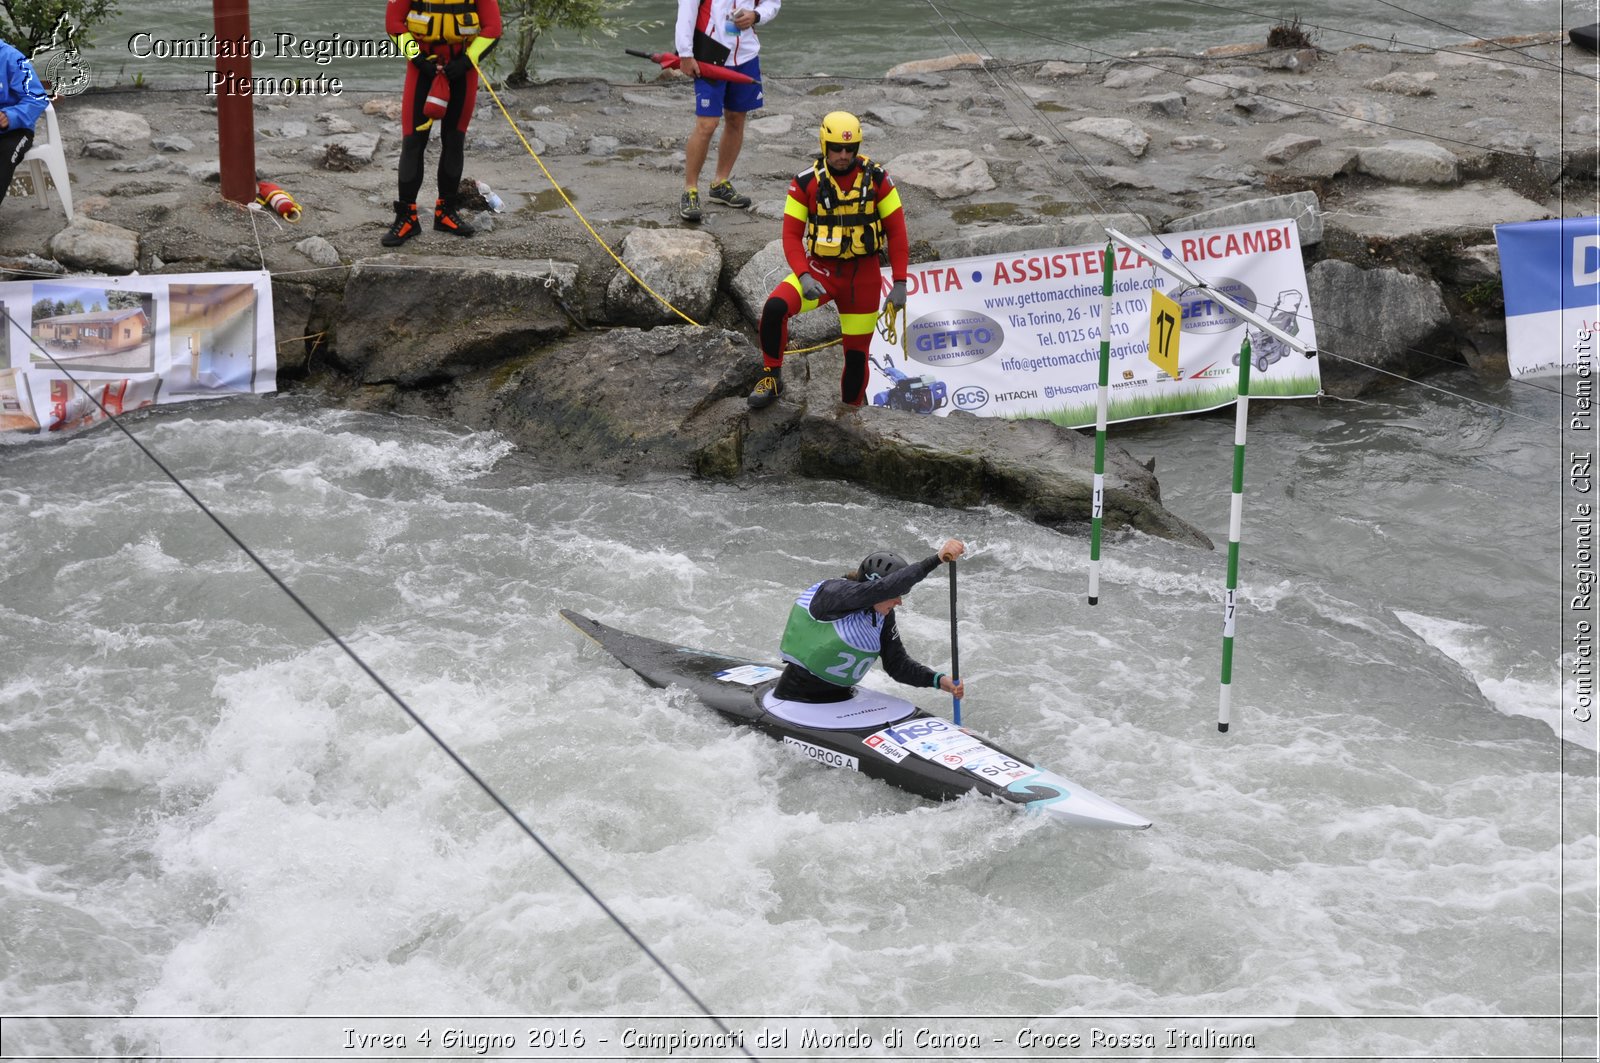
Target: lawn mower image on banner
(914, 394)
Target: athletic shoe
(405, 225)
(723, 192)
(689, 205)
(446, 220)
(767, 390)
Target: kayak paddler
(839, 628)
(442, 41)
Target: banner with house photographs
(75, 349)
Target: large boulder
(680, 265)
(1063, 232)
(96, 246)
(755, 282)
(947, 174)
(92, 124)
(1380, 323)
(416, 320)
(1302, 207)
(1032, 467)
(670, 399)
(1119, 131)
(1411, 162)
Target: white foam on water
(210, 810)
(1513, 689)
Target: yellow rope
(579, 215)
(886, 324)
(576, 212)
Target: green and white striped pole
(1102, 407)
(1230, 602)
(1166, 263)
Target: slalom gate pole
(1235, 523)
(1102, 404)
(955, 646)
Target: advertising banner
(130, 342)
(1018, 335)
(1550, 274)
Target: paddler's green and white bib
(839, 651)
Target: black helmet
(880, 564)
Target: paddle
(955, 646)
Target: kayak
(874, 733)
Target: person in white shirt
(721, 32)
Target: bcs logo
(954, 337)
(971, 397)
(1203, 314)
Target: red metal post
(236, 122)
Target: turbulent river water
(221, 839)
(146, 40)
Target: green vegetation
(527, 21)
(975, 212)
(1289, 35)
(1080, 415)
(1483, 295)
(31, 24)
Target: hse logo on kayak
(907, 733)
(831, 757)
(878, 743)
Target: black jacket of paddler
(841, 597)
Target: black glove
(457, 68)
(423, 63)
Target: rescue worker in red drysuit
(840, 214)
(448, 36)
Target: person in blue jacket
(22, 102)
(839, 628)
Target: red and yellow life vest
(845, 223)
(443, 21)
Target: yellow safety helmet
(839, 127)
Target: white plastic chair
(48, 156)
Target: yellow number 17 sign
(1166, 319)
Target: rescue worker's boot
(768, 388)
(446, 220)
(405, 225)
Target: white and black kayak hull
(921, 753)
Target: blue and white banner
(1018, 334)
(1550, 273)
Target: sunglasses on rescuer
(849, 149)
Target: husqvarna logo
(971, 397)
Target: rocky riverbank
(1395, 165)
